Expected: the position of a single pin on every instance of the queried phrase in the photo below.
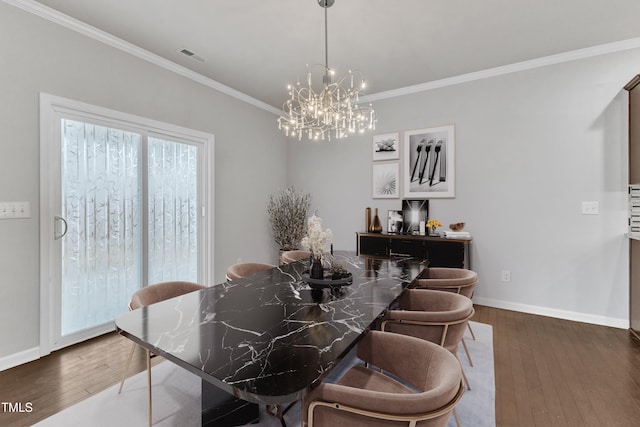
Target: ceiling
(259, 46)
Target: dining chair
(288, 257)
(244, 269)
(437, 316)
(404, 379)
(458, 280)
(147, 296)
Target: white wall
(40, 56)
(530, 147)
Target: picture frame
(414, 211)
(429, 163)
(386, 146)
(394, 222)
(385, 180)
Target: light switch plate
(15, 210)
(590, 208)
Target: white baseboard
(552, 312)
(29, 355)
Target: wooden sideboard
(439, 251)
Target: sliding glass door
(102, 251)
(126, 210)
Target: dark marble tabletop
(269, 338)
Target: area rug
(176, 395)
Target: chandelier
(333, 111)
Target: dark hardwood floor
(65, 377)
(549, 372)
(552, 372)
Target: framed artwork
(394, 222)
(429, 163)
(414, 211)
(386, 177)
(386, 146)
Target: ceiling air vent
(191, 55)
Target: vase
(367, 220)
(316, 271)
(376, 225)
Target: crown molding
(110, 40)
(544, 61)
(52, 15)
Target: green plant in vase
(338, 271)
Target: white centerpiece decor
(315, 241)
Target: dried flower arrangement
(288, 213)
(316, 238)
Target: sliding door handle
(56, 235)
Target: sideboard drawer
(407, 247)
(373, 246)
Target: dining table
(271, 337)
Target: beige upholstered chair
(150, 295)
(293, 256)
(430, 386)
(244, 269)
(437, 316)
(458, 280)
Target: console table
(439, 251)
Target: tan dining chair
(458, 280)
(288, 257)
(147, 296)
(244, 269)
(415, 382)
(437, 316)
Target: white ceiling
(259, 46)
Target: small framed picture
(414, 211)
(394, 222)
(386, 147)
(429, 162)
(385, 180)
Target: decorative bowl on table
(328, 281)
(458, 226)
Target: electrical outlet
(506, 275)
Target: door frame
(51, 109)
